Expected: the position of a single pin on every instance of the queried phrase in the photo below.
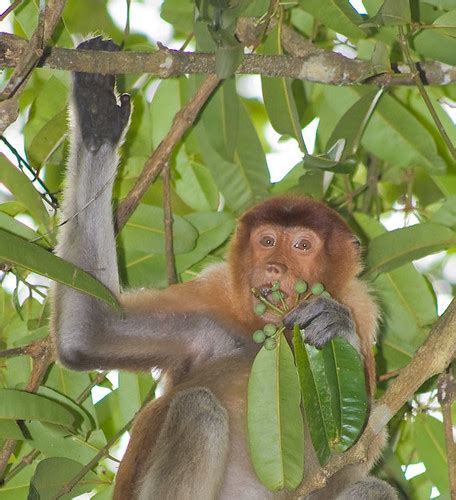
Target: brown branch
(33, 51)
(9, 9)
(446, 394)
(182, 122)
(320, 66)
(168, 221)
(432, 358)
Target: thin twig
(9, 9)
(419, 83)
(446, 394)
(182, 122)
(168, 221)
(103, 452)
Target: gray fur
(189, 458)
(370, 488)
(322, 320)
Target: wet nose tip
(276, 268)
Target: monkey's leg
(369, 488)
(188, 460)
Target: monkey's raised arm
(88, 333)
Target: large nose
(276, 269)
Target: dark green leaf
(22, 189)
(446, 214)
(34, 258)
(46, 483)
(275, 424)
(335, 14)
(21, 405)
(391, 13)
(316, 397)
(393, 249)
(436, 44)
(12, 225)
(227, 60)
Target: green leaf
(391, 13)
(316, 397)
(11, 430)
(34, 258)
(23, 190)
(393, 249)
(380, 58)
(430, 444)
(220, 119)
(276, 435)
(278, 96)
(337, 15)
(436, 44)
(353, 123)
(228, 59)
(345, 372)
(47, 122)
(21, 405)
(446, 214)
(46, 483)
(179, 13)
(13, 226)
(144, 233)
(447, 22)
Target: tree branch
(432, 358)
(182, 122)
(168, 221)
(316, 65)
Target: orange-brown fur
(223, 292)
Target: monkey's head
(287, 239)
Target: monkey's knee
(188, 460)
(370, 488)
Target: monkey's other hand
(323, 319)
(101, 118)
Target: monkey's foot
(102, 119)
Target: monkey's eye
(267, 241)
(303, 244)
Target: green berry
(325, 294)
(270, 344)
(260, 308)
(275, 286)
(259, 336)
(317, 289)
(300, 286)
(276, 296)
(269, 329)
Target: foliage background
(398, 171)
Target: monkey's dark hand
(323, 319)
(101, 118)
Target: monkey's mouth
(266, 291)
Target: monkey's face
(284, 254)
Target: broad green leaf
(18, 487)
(227, 60)
(129, 395)
(179, 13)
(34, 258)
(11, 430)
(353, 123)
(12, 225)
(391, 13)
(278, 96)
(446, 214)
(345, 372)
(316, 397)
(430, 444)
(195, 185)
(408, 304)
(380, 58)
(393, 249)
(244, 180)
(275, 426)
(46, 483)
(337, 15)
(47, 123)
(23, 190)
(436, 44)
(447, 22)
(220, 119)
(21, 405)
(144, 233)
(392, 128)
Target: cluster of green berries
(277, 305)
